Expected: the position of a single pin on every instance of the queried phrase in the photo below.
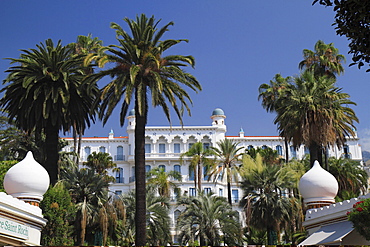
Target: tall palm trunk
(199, 176)
(140, 215)
(229, 187)
(286, 151)
(315, 153)
(51, 152)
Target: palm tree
(324, 60)
(157, 219)
(352, 178)
(227, 154)
(161, 180)
(316, 114)
(313, 111)
(89, 192)
(84, 45)
(45, 94)
(209, 218)
(199, 157)
(268, 155)
(139, 68)
(100, 163)
(271, 95)
(266, 209)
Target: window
(293, 152)
(346, 152)
(72, 149)
(221, 192)
(191, 174)
(162, 167)
(162, 148)
(118, 192)
(176, 148)
(148, 148)
(279, 150)
(129, 149)
(264, 147)
(119, 153)
(177, 168)
(147, 168)
(207, 191)
(132, 178)
(192, 192)
(250, 147)
(87, 152)
(306, 150)
(119, 175)
(205, 173)
(176, 215)
(102, 149)
(190, 145)
(235, 196)
(221, 173)
(206, 146)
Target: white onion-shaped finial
(27, 179)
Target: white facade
(165, 144)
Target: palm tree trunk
(315, 153)
(79, 148)
(286, 151)
(229, 186)
(199, 177)
(51, 152)
(140, 216)
(75, 142)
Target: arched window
(347, 154)
(177, 168)
(162, 167)
(250, 147)
(205, 173)
(147, 168)
(191, 174)
(87, 152)
(119, 155)
(162, 148)
(176, 148)
(102, 149)
(176, 215)
(264, 147)
(119, 176)
(279, 149)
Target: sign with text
(13, 228)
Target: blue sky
(238, 45)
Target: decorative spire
(318, 187)
(27, 180)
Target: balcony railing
(119, 157)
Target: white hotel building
(163, 146)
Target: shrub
(360, 217)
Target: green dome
(218, 111)
(132, 113)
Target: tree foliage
(352, 20)
(141, 72)
(58, 209)
(209, 218)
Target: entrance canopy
(330, 234)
